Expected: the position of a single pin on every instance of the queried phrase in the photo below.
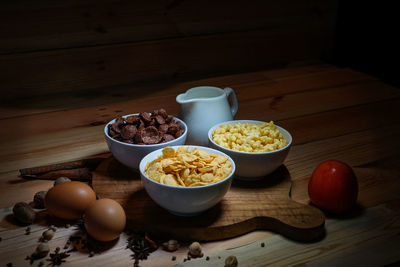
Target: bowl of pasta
(187, 180)
(258, 148)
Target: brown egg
(105, 219)
(69, 200)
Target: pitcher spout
(181, 98)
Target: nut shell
(42, 250)
(24, 213)
(195, 250)
(38, 199)
(231, 261)
(61, 180)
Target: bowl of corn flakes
(187, 180)
(257, 148)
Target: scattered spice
(231, 261)
(38, 199)
(171, 245)
(67, 244)
(139, 247)
(195, 250)
(80, 226)
(58, 258)
(41, 251)
(152, 244)
(142, 246)
(24, 213)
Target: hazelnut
(231, 261)
(38, 199)
(24, 213)
(42, 250)
(48, 234)
(171, 245)
(195, 250)
(61, 180)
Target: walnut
(231, 261)
(24, 213)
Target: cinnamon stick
(85, 163)
(73, 174)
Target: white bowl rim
(189, 187)
(149, 145)
(252, 122)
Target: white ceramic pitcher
(204, 106)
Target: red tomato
(333, 186)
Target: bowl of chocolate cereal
(257, 147)
(133, 136)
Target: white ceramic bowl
(253, 166)
(131, 154)
(185, 201)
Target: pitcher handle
(232, 97)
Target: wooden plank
(365, 146)
(16, 245)
(51, 148)
(50, 25)
(378, 177)
(342, 121)
(250, 107)
(353, 241)
(108, 66)
(356, 240)
(21, 106)
(311, 102)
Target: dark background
(366, 38)
(50, 49)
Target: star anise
(140, 248)
(58, 258)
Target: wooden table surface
(332, 113)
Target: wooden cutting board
(263, 204)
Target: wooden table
(331, 113)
